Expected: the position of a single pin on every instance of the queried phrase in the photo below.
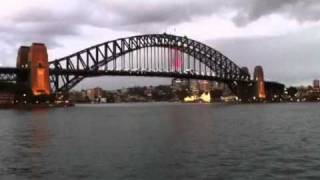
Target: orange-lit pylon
(259, 78)
(39, 69)
(35, 58)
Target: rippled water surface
(162, 141)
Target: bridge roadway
(10, 74)
(6, 72)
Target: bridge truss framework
(161, 55)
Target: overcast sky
(281, 35)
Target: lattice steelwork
(8, 74)
(146, 55)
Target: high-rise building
(205, 86)
(180, 84)
(95, 93)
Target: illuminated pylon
(259, 78)
(35, 58)
(39, 69)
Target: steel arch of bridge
(68, 71)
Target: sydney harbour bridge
(151, 55)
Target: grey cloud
(155, 16)
(163, 13)
(36, 25)
(46, 25)
(292, 59)
(6, 52)
(307, 10)
(28, 33)
(42, 25)
(148, 16)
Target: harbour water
(162, 141)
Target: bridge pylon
(260, 93)
(253, 90)
(22, 63)
(34, 59)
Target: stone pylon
(35, 59)
(259, 78)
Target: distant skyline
(281, 35)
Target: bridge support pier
(34, 59)
(253, 91)
(243, 90)
(260, 93)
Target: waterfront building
(180, 84)
(95, 94)
(205, 86)
(194, 87)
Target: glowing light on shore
(190, 99)
(205, 97)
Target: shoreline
(66, 105)
(177, 102)
(35, 106)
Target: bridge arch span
(103, 59)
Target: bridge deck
(91, 73)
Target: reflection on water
(162, 141)
(26, 146)
(40, 138)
